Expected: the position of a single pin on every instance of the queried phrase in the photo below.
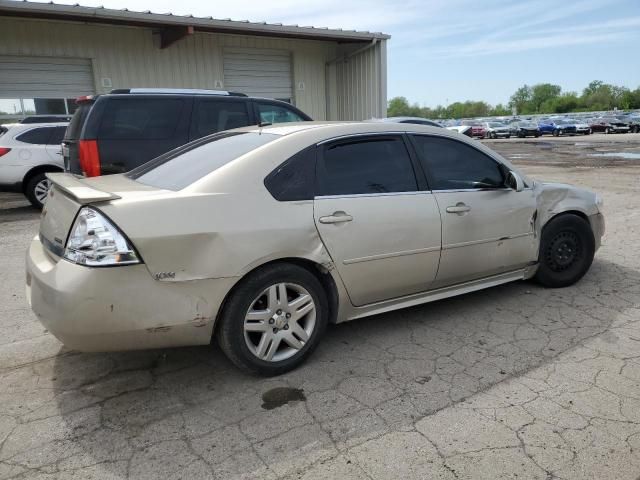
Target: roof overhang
(78, 13)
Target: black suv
(116, 132)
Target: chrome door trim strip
(390, 255)
(488, 240)
(460, 190)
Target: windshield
(495, 124)
(185, 165)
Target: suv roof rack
(174, 91)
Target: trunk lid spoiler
(76, 188)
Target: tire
(556, 133)
(567, 247)
(608, 131)
(36, 190)
(508, 136)
(521, 135)
(494, 135)
(242, 340)
(537, 135)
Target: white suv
(27, 153)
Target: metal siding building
(50, 51)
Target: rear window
(140, 118)
(185, 165)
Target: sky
(442, 51)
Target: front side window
(453, 165)
(36, 136)
(140, 119)
(216, 115)
(270, 113)
(372, 165)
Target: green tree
(521, 100)
(543, 93)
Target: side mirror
(514, 181)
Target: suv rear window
(185, 165)
(140, 118)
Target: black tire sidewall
(230, 334)
(29, 190)
(566, 222)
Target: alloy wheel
(41, 190)
(279, 322)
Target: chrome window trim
(359, 135)
(380, 194)
(486, 189)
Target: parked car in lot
(290, 228)
(116, 132)
(609, 125)
(632, 120)
(582, 127)
(496, 130)
(557, 127)
(414, 120)
(46, 119)
(465, 130)
(526, 129)
(27, 152)
(477, 128)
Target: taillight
(89, 157)
(84, 98)
(4, 151)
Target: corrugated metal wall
(363, 75)
(130, 57)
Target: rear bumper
(11, 177)
(119, 308)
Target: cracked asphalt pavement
(515, 381)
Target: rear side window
(213, 116)
(140, 118)
(37, 136)
(180, 168)
(295, 178)
(57, 135)
(453, 165)
(270, 113)
(374, 165)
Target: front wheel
(567, 247)
(273, 320)
(36, 189)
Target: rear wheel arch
(317, 270)
(37, 170)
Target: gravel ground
(516, 381)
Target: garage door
(46, 77)
(259, 72)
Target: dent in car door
(381, 232)
(487, 228)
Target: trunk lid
(69, 193)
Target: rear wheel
(273, 320)
(36, 189)
(567, 247)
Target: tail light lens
(89, 157)
(4, 151)
(96, 242)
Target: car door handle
(337, 217)
(459, 208)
